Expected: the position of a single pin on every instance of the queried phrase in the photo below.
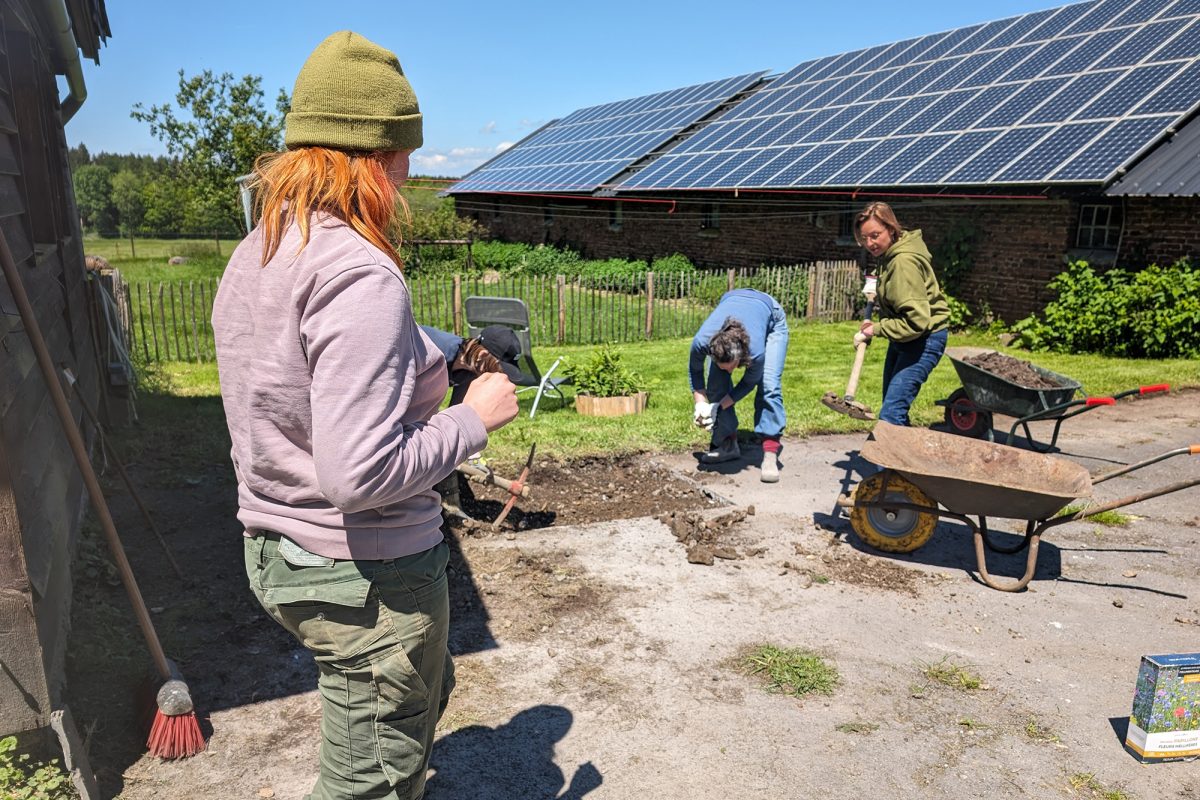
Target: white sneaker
(728, 450)
(770, 467)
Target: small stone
(551, 652)
(1118, 603)
(1129, 573)
(266, 791)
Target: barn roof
(1069, 96)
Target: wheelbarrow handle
(1099, 401)
(1155, 387)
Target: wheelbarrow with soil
(993, 383)
(927, 475)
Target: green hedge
(1151, 313)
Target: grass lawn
(819, 360)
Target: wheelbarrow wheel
(894, 530)
(965, 418)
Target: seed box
(1165, 722)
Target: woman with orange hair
(331, 394)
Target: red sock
(770, 445)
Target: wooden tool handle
(859, 354)
(75, 440)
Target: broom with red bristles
(176, 731)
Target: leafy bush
(22, 778)
(614, 269)
(547, 260)
(676, 263)
(959, 313)
(604, 375)
(1154, 313)
(502, 257)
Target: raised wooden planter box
(611, 406)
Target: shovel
(846, 404)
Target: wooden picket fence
(170, 320)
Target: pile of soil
(597, 489)
(1013, 370)
(707, 537)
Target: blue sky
(487, 74)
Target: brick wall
(1019, 245)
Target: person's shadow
(510, 761)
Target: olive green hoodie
(909, 300)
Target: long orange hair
(354, 187)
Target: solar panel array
(592, 145)
(1064, 95)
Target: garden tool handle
(1099, 401)
(1194, 450)
(860, 352)
(1157, 387)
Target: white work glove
(704, 415)
(859, 338)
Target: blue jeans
(905, 370)
(769, 416)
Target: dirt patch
(841, 564)
(535, 592)
(1013, 370)
(583, 491)
(707, 537)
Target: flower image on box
(1165, 721)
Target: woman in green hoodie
(913, 313)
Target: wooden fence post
(649, 305)
(811, 313)
(729, 275)
(458, 305)
(470, 259)
(561, 289)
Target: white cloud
(489, 128)
(454, 161)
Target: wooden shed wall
(41, 490)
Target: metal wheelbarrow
(928, 474)
(969, 409)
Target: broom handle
(46, 363)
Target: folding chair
(512, 312)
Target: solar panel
(1067, 94)
(1115, 146)
(591, 145)
(1039, 97)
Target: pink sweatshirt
(331, 394)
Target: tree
(127, 188)
(166, 199)
(220, 127)
(93, 198)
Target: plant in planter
(604, 387)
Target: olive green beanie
(351, 94)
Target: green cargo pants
(378, 630)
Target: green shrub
(503, 257)
(23, 778)
(960, 313)
(1154, 313)
(615, 269)
(675, 263)
(547, 260)
(604, 375)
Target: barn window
(710, 217)
(1099, 226)
(547, 215)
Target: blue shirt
(754, 310)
